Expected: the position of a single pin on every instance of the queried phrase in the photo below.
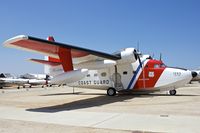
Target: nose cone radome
(194, 74)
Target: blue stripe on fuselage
(135, 75)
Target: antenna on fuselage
(160, 56)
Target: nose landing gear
(172, 92)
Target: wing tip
(9, 42)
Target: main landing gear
(111, 91)
(172, 92)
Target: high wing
(68, 55)
(53, 49)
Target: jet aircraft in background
(124, 71)
(36, 79)
(7, 80)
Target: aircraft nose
(194, 74)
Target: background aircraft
(123, 71)
(36, 79)
(7, 80)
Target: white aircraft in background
(123, 71)
(7, 80)
(36, 79)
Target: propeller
(137, 56)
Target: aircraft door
(121, 76)
(116, 78)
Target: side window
(125, 73)
(88, 75)
(103, 74)
(156, 66)
(95, 75)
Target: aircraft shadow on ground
(92, 102)
(81, 104)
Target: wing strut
(65, 57)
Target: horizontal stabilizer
(45, 62)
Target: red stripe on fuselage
(150, 75)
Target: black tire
(111, 91)
(172, 92)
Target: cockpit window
(159, 65)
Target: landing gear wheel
(172, 92)
(111, 92)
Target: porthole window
(103, 74)
(156, 66)
(88, 75)
(125, 73)
(95, 75)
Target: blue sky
(171, 27)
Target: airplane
(34, 76)
(124, 71)
(36, 79)
(7, 80)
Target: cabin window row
(103, 74)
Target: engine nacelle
(69, 77)
(128, 55)
(93, 65)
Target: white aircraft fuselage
(152, 76)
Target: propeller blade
(137, 56)
(140, 61)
